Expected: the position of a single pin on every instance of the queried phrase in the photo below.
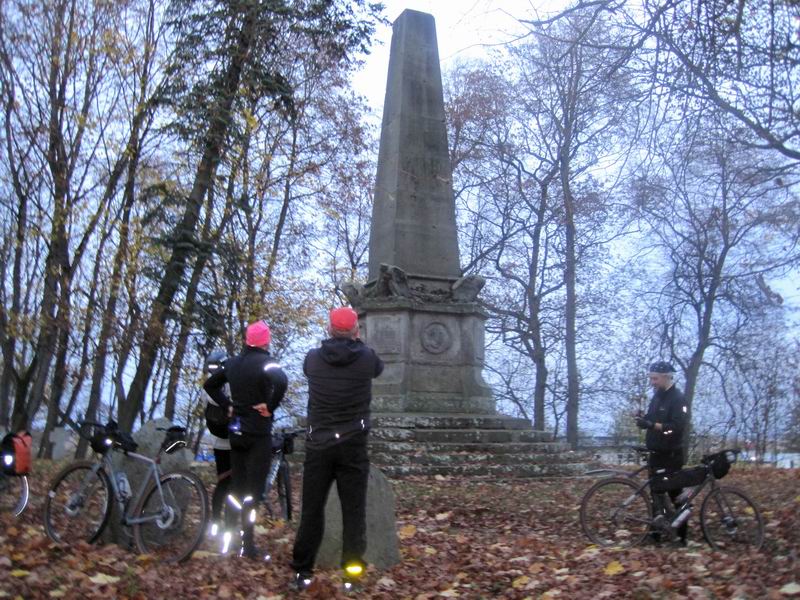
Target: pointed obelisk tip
(413, 217)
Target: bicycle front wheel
(14, 493)
(173, 520)
(78, 503)
(615, 512)
(731, 521)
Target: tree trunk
(215, 139)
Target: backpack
(217, 420)
(16, 451)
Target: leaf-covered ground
(459, 539)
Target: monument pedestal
(433, 356)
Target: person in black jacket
(665, 423)
(257, 385)
(340, 375)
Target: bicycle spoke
(613, 513)
(731, 521)
(77, 505)
(176, 520)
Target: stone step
(490, 471)
(466, 458)
(399, 434)
(379, 445)
(448, 421)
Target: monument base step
(467, 445)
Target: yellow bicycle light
(354, 570)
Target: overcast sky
(464, 28)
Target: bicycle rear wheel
(176, 526)
(731, 521)
(614, 512)
(278, 496)
(14, 493)
(78, 503)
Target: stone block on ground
(382, 543)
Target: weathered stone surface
(413, 219)
(382, 544)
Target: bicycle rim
(14, 493)
(177, 525)
(731, 521)
(614, 513)
(78, 504)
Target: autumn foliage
(459, 539)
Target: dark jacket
(669, 408)
(254, 378)
(340, 375)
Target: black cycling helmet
(661, 366)
(214, 361)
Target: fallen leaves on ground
(459, 538)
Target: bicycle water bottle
(682, 516)
(123, 486)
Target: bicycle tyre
(731, 521)
(277, 496)
(14, 493)
(608, 521)
(176, 534)
(65, 512)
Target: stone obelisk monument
(418, 312)
(432, 410)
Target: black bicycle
(167, 516)
(621, 510)
(278, 488)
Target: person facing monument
(340, 374)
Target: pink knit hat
(258, 334)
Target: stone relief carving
(436, 338)
(392, 282)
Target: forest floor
(459, 538)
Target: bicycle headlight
(108, 441)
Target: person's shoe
(352, 578)
(302, 580)
(252, 552)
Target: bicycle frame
(153, 472)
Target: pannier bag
(16, 451)
(680, 479)
(217, 420)
(720, 462)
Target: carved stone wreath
(436, 338)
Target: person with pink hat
(340, 374)
(257, 385)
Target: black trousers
(250, 458)
(347, 463)
(671, 461)
(222, 460)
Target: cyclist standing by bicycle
(665, 422)
(222, 451)
(340, 375)
(257, 386)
